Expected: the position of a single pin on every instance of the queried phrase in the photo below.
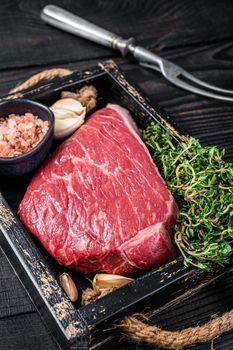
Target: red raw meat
(99, 202)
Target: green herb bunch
(202, 184)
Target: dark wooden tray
(73, 326)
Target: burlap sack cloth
(132, 326)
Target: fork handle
(62, 19)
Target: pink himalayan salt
(19, 134)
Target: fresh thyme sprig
(202, 184)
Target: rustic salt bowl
(27, 162)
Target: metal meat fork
(67, 21)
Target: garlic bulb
(69, 115)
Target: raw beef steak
(99, 202)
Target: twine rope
(47, 74)
(139, 331)
(132, 326)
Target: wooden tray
(73, 326)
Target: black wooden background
(195, 34)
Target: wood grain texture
(156, 24)
(209, 120)
(13, 298)
(25, 332)
(197, 35)
(216, 63)
(12, 77)
(191, 312)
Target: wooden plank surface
(194, 311)
(13, 298)
(25, 332)
(158, 24)
(197, 35)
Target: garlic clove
(69, 286)
(61, 113)
(69, 115)
(70, 104)
(105, 281)
(64, 128)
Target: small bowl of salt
(26, 135)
